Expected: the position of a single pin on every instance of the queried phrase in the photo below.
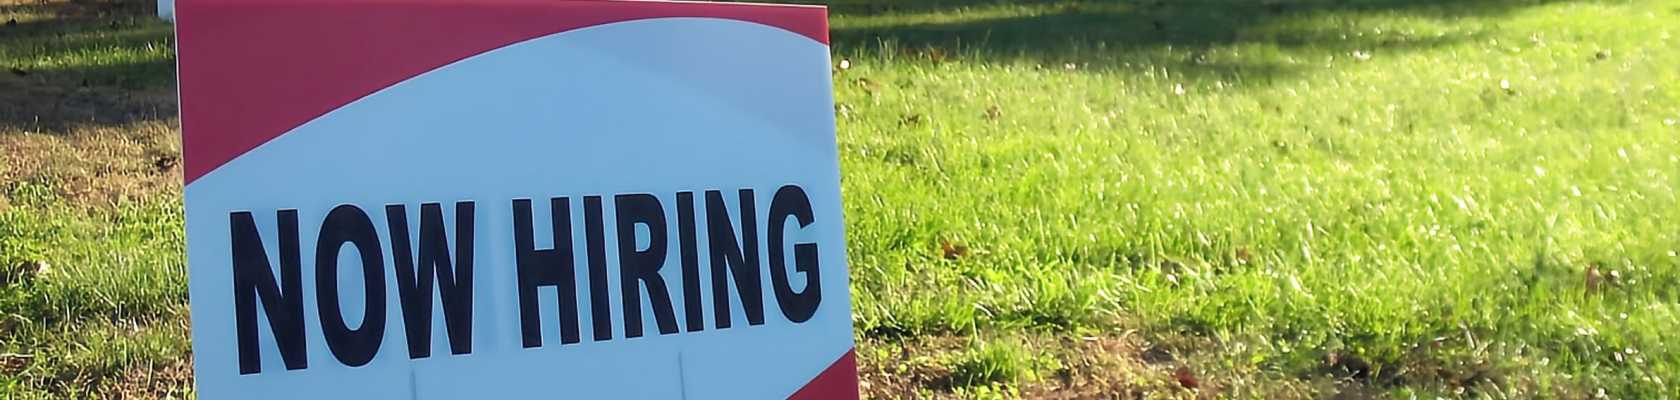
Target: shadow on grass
(1180, 36)
(109, 62)
(64, 64)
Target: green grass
(993, 362)
(1351, 178)
(1294, 198)
(112, 297)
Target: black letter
(693, 313)
(642, 265)
(545, 267)
(348, 224)
(455, 280)
(791, 201)
(595, 241)
(253, 279)
(740, 260)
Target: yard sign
(441, 199)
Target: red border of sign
(252, 70)
(839, 381)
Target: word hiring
(281, 297)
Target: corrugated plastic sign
(440, 199)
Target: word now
(254, 279)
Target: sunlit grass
(90, 295)
(1409, 187)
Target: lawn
(1151, 198)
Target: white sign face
(437, 199)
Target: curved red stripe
(253, 69)
(839, 381)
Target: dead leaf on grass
(166, 163)
(1186, 378)
(13, 363)
(953, 251)
(1594, 279)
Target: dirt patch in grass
(169, 381)
(1130, 365)
(1101, 367)
(1109, 367)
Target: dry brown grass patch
(95, 165)
(1100, 367)
(173, 380)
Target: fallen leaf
(12, 363)
(1186, 378)
(1594, 279)
(952, 251)
(166, 163)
